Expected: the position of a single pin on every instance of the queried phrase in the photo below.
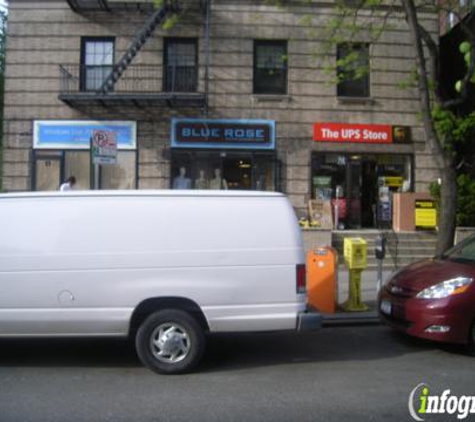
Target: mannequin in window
(182, 182)
(218, 182)
(201, 182)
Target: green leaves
(170, 22)
(451, 127)
(465, 48)
(465, 200)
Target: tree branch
(434, 54)
(424, 95)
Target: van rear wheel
(170, 342)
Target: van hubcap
(170, 343)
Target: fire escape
(124, 83)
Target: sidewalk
(368, 295)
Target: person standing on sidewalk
(68, 185)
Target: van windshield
(463, 251)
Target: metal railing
(180, 78)
(138, 79)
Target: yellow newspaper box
(355, 251)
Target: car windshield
(463, 251)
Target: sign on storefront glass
(77, 134)
(426, 214)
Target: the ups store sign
(361, 133)
(223, 134)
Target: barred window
(180, 73)
(270, 67)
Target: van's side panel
(79, 265)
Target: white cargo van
(163, 267)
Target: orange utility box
(322, 278)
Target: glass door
(237, 171)
(354, 192)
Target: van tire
(170, 341)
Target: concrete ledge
(313, 238)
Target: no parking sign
(104, 147)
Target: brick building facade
(235, 90)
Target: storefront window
(121, 175)
(70, 142)
(78, 164)
(265, 174)
(224, 170)
(360, 187)
(53, 167)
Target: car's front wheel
(170, 341)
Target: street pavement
(340, 373)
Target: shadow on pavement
(94, 353)
(335, 344)
(228, 352)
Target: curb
(351, 318)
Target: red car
(435, 298)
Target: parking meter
(380, 253)
(380, 247)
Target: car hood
(422, 274)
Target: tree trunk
(447, 209)
(442, 158)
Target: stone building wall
(42, 35)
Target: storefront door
(238, 172)
(353, 193)
(48, 173)
(360, 187)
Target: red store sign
(343, 132)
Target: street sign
(104, 147)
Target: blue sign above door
(77, 134)
(223, 134)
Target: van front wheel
(170, 342)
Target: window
(237, 170)
(121, 175)
(353, 70)
(360, 185)
(462, 252)
(180, 73)
(270, 67)
(78, 164)
(450, 20)
(97, 59)
(51, 168)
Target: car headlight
(446, 288)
